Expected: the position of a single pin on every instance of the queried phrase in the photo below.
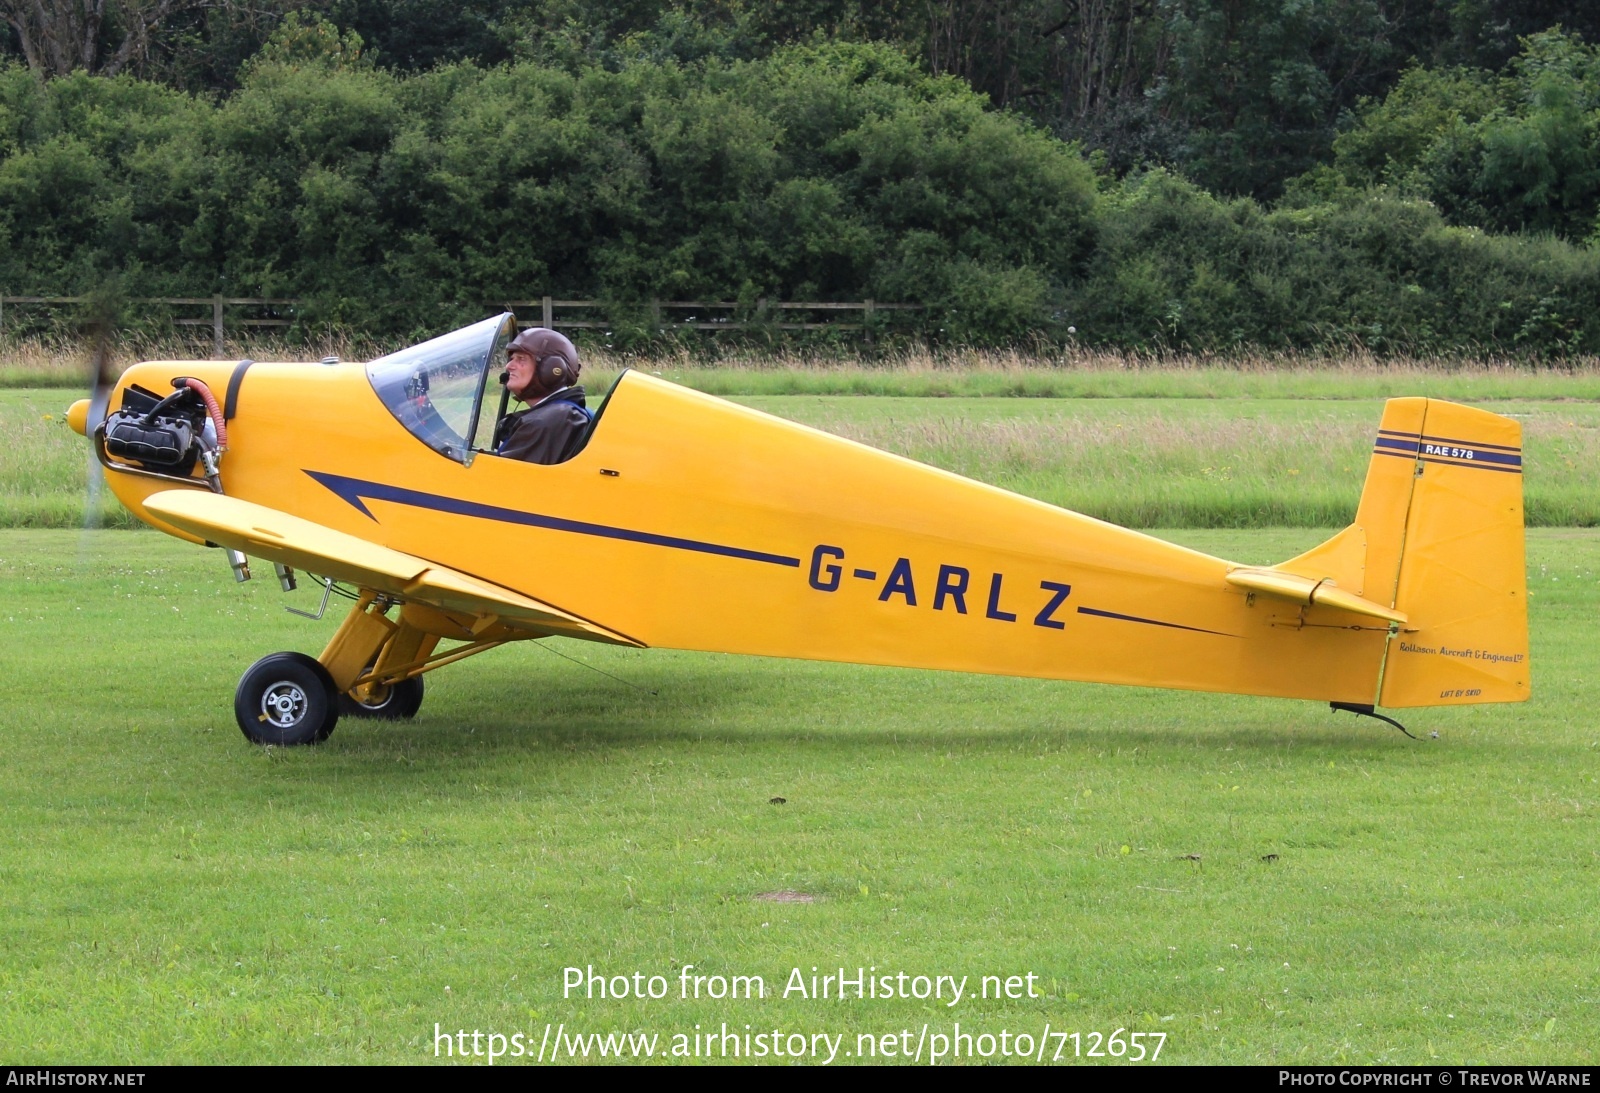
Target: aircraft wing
(276, 536)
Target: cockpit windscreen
(434, 389)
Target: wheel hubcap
(283, 705)
(374, 696)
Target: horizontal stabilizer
(289, 540)
(1308, 590)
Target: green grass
(46, 468)
(1194, 463)
(1173, 462)
(170, 893)
(1112, 378)
(944, 373)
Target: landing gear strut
(291, 698)
(371, 668)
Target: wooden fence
(703, 314)
(217, 304)
(768, 314)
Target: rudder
(1462, 577)
(1439, 536)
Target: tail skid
(1363, 709)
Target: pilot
(542, 371)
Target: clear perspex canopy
(436, 389)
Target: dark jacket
(550, 431)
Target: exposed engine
(157, 432)
(168, 435)
(165, 437)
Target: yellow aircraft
(689, 522)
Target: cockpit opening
(441, 391)
(436, 389)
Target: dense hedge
(830, 173)
(1176, 266)
(403, 204)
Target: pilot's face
(520, 372)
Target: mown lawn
(1262, 881)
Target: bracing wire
(592, 668)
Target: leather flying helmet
(555, 358)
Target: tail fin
(1438, 536)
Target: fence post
(655, 315)
(866, 322)
(216, 327)
(549, 314)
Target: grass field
(1261, 881)
(44, 464)
(1183, 462)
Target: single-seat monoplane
(688, 522)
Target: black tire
(400, 703)
(286, 699)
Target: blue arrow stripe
(1149, 622)
(353, 490)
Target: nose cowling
(78, 417)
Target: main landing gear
(371, 668)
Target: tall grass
(922, 373)
(46, 468)
(64, 363)
(925, 373)
(1174, 463)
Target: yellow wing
(263, 532)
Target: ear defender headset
(550, 371)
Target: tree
(1488, 33)
(104, 37)
(415, 35)
(1259, 83)
(1517, 151)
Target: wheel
(286, 698)
(396, 702)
